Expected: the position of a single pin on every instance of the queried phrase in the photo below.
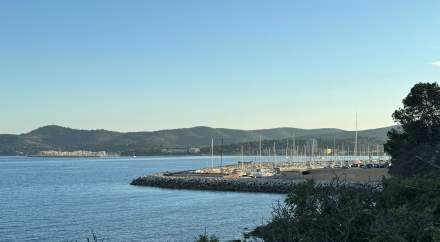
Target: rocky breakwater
(174, 181)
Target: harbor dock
(264, 177)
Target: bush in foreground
(206, 238)
(399, 210)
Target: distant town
(77, 153)
(86, 153)
(180, 150)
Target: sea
(68, 199)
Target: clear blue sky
(147, 65)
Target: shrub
(399, 210)
(206, 238)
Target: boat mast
(268, 154)
(377, 152)
(259, 155)
(212, 153)
(368, 152)
(356, 137)
(221, 155)
(242, 157)
(274, 153)
(293, 144)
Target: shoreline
(281, 184)
(261, 185)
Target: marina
(269, 177)
(273, 173)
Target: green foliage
(206, 238)
(402, 210)
(150, 143)
(317, 212)
(413, 148)
(93, 238)
(409, 209)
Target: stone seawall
(266, 185)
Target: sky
(147, 65)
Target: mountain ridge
(55, 137)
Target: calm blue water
(54, 199)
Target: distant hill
(61, 138)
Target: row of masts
(292, 152)
(306, 152)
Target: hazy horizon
(144, 65)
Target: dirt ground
(352, 174)
(324, 175)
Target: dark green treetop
(414, 146)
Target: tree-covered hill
(61, 138)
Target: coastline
(281, 184)
(164, 180)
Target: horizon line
(192, 127)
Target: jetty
(246, 178)
(214, 183)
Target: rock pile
(266, 185)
